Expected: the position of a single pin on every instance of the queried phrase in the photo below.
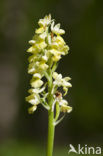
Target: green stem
(51, 127)
(51, 131)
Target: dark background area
(83, 22)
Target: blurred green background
(22, 134)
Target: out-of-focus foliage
(25, 149)
(83, 22)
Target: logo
(84, 149)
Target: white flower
(32, 42)
(37, 75)
(59, 81)
(56, 55)
(66, 109)
(33, 99)
(62, 102)
(31, 49)
(63, 105)
(36, 90)
(41, 65)
(56, 58)
(58, 78)
(56, 29)
(43, 35)
(41, 45)
(31, 70)
(58, 42)
(46, 21)
(45, 58)
(39, 30)
(36, 83)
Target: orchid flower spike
(46, 48)
(48, 87)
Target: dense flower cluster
(47, 48)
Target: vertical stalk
(51, 130)
(51, 127)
